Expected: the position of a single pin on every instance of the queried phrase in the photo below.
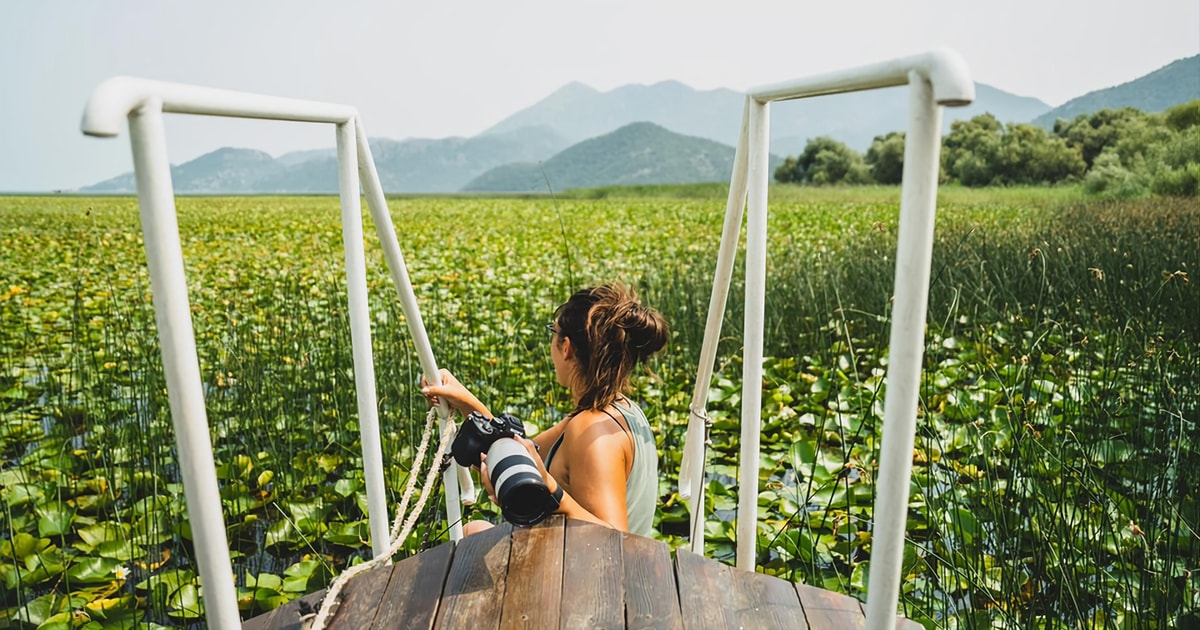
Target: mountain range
(580, 112)
(1175, 83)
(417, 165)
(635, 134)
(636, 154)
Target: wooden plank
(765, 601)
(287, 616)
(593, 577)
(901, 622)
(705, 591)
(825, 609)
(651, 601)
(474, 590)
(535, 567)
(359, 599)
(261, 622)
(413, 589)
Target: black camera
(520, 490)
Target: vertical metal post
(756, 288)
(412, 312)
(914, 250)
(691, 468)
(360, 337)
(181, 365)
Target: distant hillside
(578, 112)
(404, 166)
(1175, 83)
(639, 153)
(226, 170)
(299, 157)
(422, 165)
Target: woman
(602, 454)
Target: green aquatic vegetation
(1056, 427)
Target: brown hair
(611, 332)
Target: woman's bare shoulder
(592, 423)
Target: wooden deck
(561, 574)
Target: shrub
(1184, 116)
(1177, 182)
(984, 152)
(886, 158)
(1110, 178)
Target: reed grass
(1057, 420)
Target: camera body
(478, 433)
(520, 490)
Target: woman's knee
(474, 527)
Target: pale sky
(436, 69)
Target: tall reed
(1057, 416)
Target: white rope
(329, 604)
(412, 474)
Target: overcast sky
(435, 69)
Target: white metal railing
(936, 79)
(143, 102)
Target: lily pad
(185, 603)
(54, 519)
(93, 570)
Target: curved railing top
(946, 70)
(116, 97)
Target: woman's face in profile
(557, 347)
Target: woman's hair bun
(611, 332)
(646, 331)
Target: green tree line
(1115, 152)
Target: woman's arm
(456, 395)
(596, 452)
(547, 438)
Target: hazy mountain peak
(574, 89)
(643, 132)
(664, 85)
(235, 153)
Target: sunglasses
(552, 328)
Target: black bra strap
(554, 449)
(614, 419)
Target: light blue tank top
(641, 488)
